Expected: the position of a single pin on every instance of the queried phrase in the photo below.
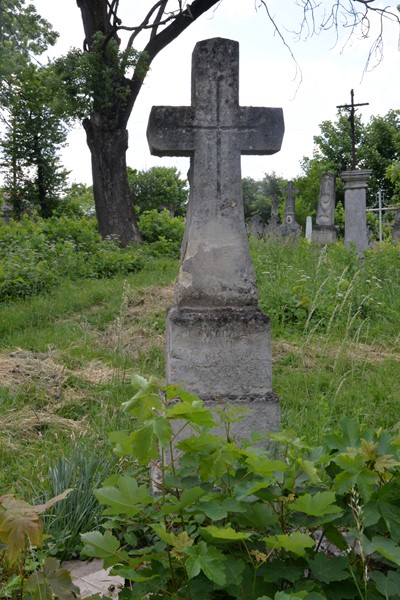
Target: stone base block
(323, 235)
(224, 356)
(216, 353)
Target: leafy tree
(159, 188)
(34, 135)
(109, 81)
(377, 146)
(258, 195)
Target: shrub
(162, 233)
(229, 520)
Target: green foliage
(159, 188)
(258, 195)
(161, 232)
(33, 138)
(377, 148)
(305, 287)
(97, 80)
(35, 255)
(77, 201)
(219, 518)
(82, 471)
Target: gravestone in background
(218, 341)
(355, 207)
(396, 227)
(309, 228)
(324, 231)
(290, 225)
(273, 222)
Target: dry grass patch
(24, 367)
(135, 330)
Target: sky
(308, 88)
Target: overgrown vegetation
(221, 519)
(67, 356)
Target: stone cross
(218, 341)
(214, 131)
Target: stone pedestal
(355, 205)
(224, 355)
(218, 341)
(324, 234)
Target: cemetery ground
(67, 357)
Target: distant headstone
(218, 341)
(289, 225)
(256, 227)
(324, 231)
(396, 227)
(355, 205)
(309, 229)
(273, 222)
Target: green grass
(66, 357)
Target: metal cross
(352, 108)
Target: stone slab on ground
(91, 578)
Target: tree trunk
(113, 199)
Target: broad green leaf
(316, 505)
(59, 580)
(187, 498)
(262, 465)
(143, 407)
(142, 444)
(388, 585)
(102, 545)
(386, 548)
(194, 412)
(208, 559)
(296, 542)
(163, 533)
(125, 498)
(329, 568)
(225, 533)
(350, 462)
(204, 442)
(162, 430)
(334, 536)
(309, 469)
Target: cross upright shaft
(214, 131)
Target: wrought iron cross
(352, 108)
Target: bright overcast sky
(268, 77)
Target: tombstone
(218, 341)
(289, 225)
(396, 227)
(256, 227)
(355, 206)
(324, 231)
(309, 229)
(273, 223)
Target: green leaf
(265, 466)
(163, 533)
(162, 430)
(144, 406)
(125, 498)
(388, 585)
(316, 505)
(386, 548)
(334, 536)
(59, 580)
(309, 469)
(208, 559)
(225, 533)
(193, 412)
(142, 444)
(296, 542)
(328, 569)
(105, 546)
